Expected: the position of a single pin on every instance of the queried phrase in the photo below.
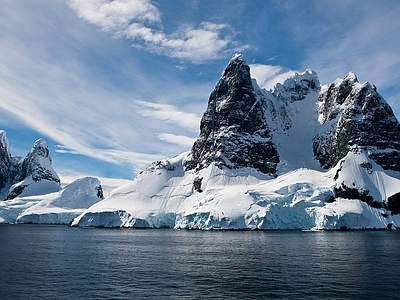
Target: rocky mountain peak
(17, 173)
(351, 77)
(296, 87)
(40, 148)
(233, 130)
(354, 114)
(37, 163)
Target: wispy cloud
(56, 83)
(181, 140)
(64, 150)
(140, 21)
(168, 113)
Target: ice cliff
(302, 156)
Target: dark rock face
(5, 160)
(233, 131)
(354, 114)
(352, 193)
(393, 204)
(99, 193)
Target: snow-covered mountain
(29, 175)
(53, 208)
(299, 157)
(32, 192)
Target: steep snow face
(353, 114)
(53, 208)
(291, 114)
(233, 131)
(357, 176)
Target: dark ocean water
(57, 262)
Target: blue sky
(114, 85)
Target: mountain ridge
(303, 156)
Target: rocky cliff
(234, 131)
(355, 115)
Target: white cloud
(115, 16)
(180, 140)
(57, 82)
(168, 113)
(268, 76)
(64, 150)
(140, 21)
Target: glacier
(300, 156)
(52, 208)
(163, 196)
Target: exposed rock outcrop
(354, 114)
(234, 131)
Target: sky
(115, 85)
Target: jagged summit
(297, 86)
(298, 124)
(242, 123)
(351, 76)
(37, 163)
(19, 174)
(233, 130)
(354, 114)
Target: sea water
(57, 262)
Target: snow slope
(53, 208)
(164, 196)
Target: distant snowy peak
(233, 130)
(37, 164)
(32, 174)
(354, 114)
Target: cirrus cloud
(168, 113)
